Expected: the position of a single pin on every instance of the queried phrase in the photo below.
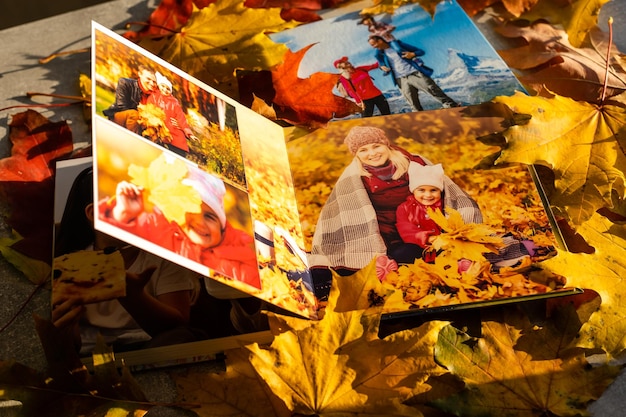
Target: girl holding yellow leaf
(187, 217)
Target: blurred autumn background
(555, 360)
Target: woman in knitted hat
(205, 236)
(175, 119)
(358, 221)
(355, 82)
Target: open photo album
(196, 212)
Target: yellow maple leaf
(604, 272)
(389, 6)
(339, 365)
(221, 38)
(237, 391)
(582, 143)
(518, 368)
(352, 291)
(464, 240)
(162, 182)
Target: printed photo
(408, 191)
(166, 108)
(253, 243)
(386, 64)
(173, 206)
(133, 299)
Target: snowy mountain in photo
(474, 79)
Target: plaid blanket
(346, 234)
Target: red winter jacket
(172, 109)
(360, 85)
(234, 257)
(413, 222)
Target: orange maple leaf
(307, 101)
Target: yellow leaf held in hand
(580, 142)
(162, 181)
(339, 365)
(464, 240)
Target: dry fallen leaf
(237, 391)
(577, 17)
(549, 61)
(603, 272)
(221, 38)
(521, 369)
(582, 143)
(339, 365)
(308, 101)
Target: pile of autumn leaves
(340, 366)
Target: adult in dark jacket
(408, 71)
(129, 93)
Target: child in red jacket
(205, 236)
(412, 220)
(175, 119)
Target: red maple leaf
(27, 180)
(167, 18)
(307, 101)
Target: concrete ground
(20, 72)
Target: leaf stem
(59, 54)
(31, 94)
(147, 25)
(21, 308)
(608, 56)
(29, 106)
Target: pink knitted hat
(425, 175)
(364, 135)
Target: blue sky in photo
(450, 28)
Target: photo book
(199, 212)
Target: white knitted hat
(211, 190)
(425, 175)
(162, 79)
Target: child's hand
(136, 282)
(129, 202)
(67, 312)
